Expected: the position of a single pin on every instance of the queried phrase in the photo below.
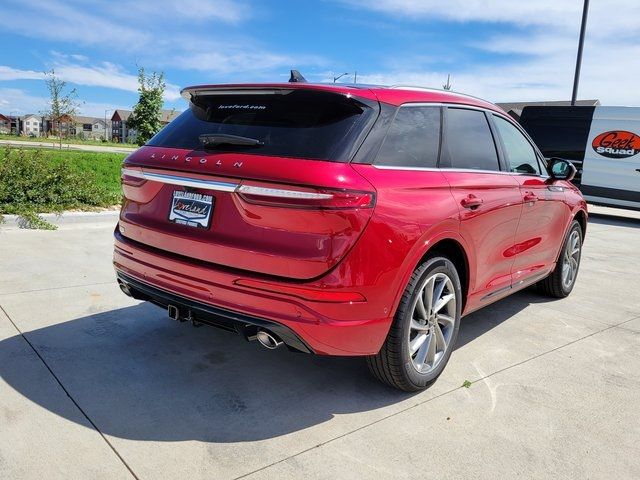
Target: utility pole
(355, 77)
(583, 27)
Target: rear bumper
(328, 328)
(210, 315)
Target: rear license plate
(191, 209)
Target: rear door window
(468, 143)
(521, 156)
(413, 139)
(295, 123)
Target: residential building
(5, 124)
(515, 108)
(89, 127)
(32, 125)
(65, 125)
(121, 133)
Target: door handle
(471, 202)
(530, 197)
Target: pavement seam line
(55, 377)
(57, 288)
(410, 407)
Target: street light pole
(339, 77)
(583, 27)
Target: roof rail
(428, 89)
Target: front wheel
(424, 329)
(561, 281)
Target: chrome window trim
(444, 169)
(181, 181)
(457, 170)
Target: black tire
(553, 285)
(393, 364)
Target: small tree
(145, 118)
(62, 104)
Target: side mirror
(561, 169)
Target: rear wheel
(561, 281)
(424, 329)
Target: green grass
(65, 141)
(42, 181)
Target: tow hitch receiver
(175, 314)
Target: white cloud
(130, 25)
(17, 100)
(150, 31)
(20, 102)
(63, 21)
(10, 73)
(104, 74)
(107, 75)
(605, 17)
(227, 11)
(535, 63)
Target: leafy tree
(145, 118)
(63, 106)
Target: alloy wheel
(571, 260)
(432, 322)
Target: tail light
(135, 178)
(263, 194)
(302, 197)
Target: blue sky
(502, 50)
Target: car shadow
(614, 220)
(140, 376)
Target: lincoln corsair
(344, 220)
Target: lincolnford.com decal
(616, 144)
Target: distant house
(89, 127)
(65, 125)
(5, 124)
(32, 125)
(515, 108)
(121, 133)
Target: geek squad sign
(617, 144)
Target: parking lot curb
(65, 218)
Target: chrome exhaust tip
(268, 339)
(125, 288)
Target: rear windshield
(295, 123)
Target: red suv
(344, 220)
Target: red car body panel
(335, 276)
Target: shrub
(31, 184)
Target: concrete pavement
(96, 385)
